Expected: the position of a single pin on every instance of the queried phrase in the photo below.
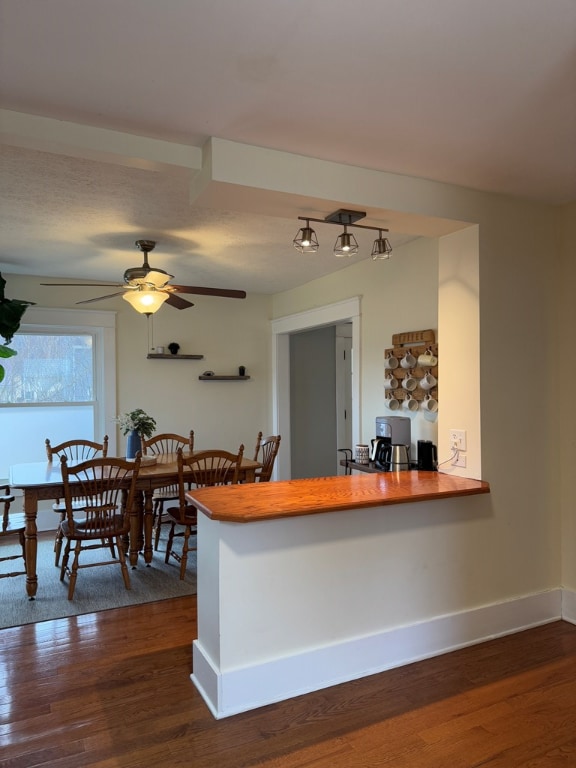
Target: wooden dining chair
(266, 452)
(13, 525)
(159, 445)
(205, 468)
(108, 488)
(74, 450)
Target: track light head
(306, 240)
(381, 248)
(346, 244)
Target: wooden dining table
(42, 480)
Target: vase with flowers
(137, 425)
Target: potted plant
(11, 311)
(137, 425)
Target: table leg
(31, 544)
(136, 515)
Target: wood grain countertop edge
(255, 502)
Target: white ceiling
(480, 94)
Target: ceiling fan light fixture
(306, 240)
(145, 301)
(381, 248)
(346, 244)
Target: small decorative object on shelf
(136, 424)
(173, 347)
(242, 370)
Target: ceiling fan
(147, 288)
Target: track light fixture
(346, 244)
(306, 240)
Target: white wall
(563, 407)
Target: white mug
(391, 362)
(392, 403)
(390, 382)
(429, 404)
(427, 381)
(362, 454)
(159, 350)
(408, 361)
(427, 360)
(409, 383)
(410, 404)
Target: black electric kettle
(427, 456)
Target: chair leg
(65, 557)
(74, 570)
(184, 559)
(58, 542)
(170, 542)
(123, 565)
(158, 512)
(22, 537)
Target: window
(49, 368)
(60, 385)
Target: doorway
(345, 312)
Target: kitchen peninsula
(293, 578)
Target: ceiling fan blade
(88, 285)
(229, 294)
(177, 302)
(101, 298)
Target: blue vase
(133, 444)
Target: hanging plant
(11, 311)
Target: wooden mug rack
(416, 343)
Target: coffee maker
(397, 428)
(393, 437)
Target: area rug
(97, 589)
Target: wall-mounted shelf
(223, 378)
(152, 356)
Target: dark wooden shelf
(223, 378)
(152, 356)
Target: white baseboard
(569, 605)
(238, 690)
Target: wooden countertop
(252, 502)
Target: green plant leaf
(7, 352)
(2, 373)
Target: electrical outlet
(458, 439)
(459, 460)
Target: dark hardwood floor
(113, 689)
